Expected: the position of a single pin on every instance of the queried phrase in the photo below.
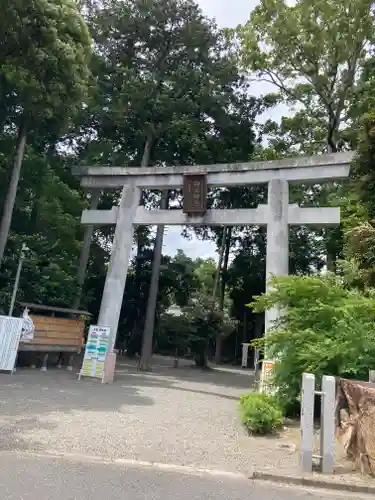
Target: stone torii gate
(277, 215)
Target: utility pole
(17, 280)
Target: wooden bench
(55, 333)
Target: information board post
(98, 354)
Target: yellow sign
(267, 374)
(267, 370)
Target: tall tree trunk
(219, 266)
(332, 148)
(148, 332)
(135, 327)
(3, 101)
(223, 283)
(331, 261)
(147, 149)
(219, 340)
(331, 239)
(12, 191)
(224, 268)
(244, 326)
(140, 243)
(85, 252)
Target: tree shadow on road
(33, 400)
(221, 382)
(33, 392)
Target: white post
(17, 280)
(277, 259)
(245, 351)
(327, 424)
(114, 287)
(307, 421)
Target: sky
(228, 13)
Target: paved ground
(181, 416)
(24, 477)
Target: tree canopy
(44, 58)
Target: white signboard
(97, 348)
(10, 335)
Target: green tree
(312, 53)
(326, 329)
(196, 327)
(177, 283)
(47, 218)
(205, 271)
(360, 230)
(43, 57)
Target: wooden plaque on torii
(195, 194)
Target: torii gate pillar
(277, 253)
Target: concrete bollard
(327, 424)
(307, 422)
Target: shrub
(261, 413)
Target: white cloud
(228, 14)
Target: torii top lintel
(305, 169)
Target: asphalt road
(33, 477)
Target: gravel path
(178, 416)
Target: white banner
(28, 327)
(97, 348)
(10, 335)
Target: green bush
(325, 329)
(261, 413)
